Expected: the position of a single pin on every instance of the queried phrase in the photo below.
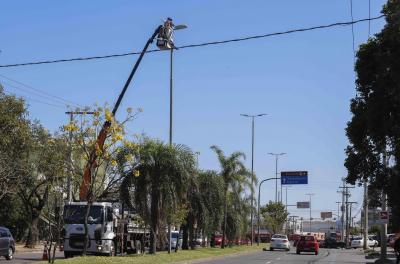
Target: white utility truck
(109, 232)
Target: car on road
(307, 244)
(175, 238)
(331, 242)
(7, 243)
(358, 242)
(279, 241)
(218, 240)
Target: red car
(218, 240)
(307, 244)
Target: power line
(27, 98)
(198, 45)
(38, 91)
(369, 16)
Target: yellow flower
(116, 137)
(109, 116)
(129, 110)
(71, 127)
(136, 173)
(114, 163)
(129, 157)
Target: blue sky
(303, 81)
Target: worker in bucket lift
(164, 40)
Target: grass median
(164, 257)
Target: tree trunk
(169, 238)
(86, 234)
(225, 212)
(154, 221)
(33, 234)
(185, 236)
(191, 236)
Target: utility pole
(346, 196)
(69, 179)
(365, 220)
(310, 194)
(252, 170)
(338, 213)
(350, 223)
(276, 175)
(384, 208)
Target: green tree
(374, 130)
(15, 138)
(234, 174)
(211, 188)
(273, 216)
(160, 186)
(45, 164)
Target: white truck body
(108, 233)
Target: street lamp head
(245, 115)
(179, 27)
(261, 114)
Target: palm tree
(235, 176)
(164, 172)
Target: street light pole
(171, 59)
(310, 194)
(258, 208)
(252, 169)
(276, 175)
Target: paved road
(28, 257)
(325, 256)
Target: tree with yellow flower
(101, 155)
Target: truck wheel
(138, 246)
(68, 254)
(9, 255)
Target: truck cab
(101, 228)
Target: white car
(358, 242)
(279, 242)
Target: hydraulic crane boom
(84, 193)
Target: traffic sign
(303, 205)
(384, 217)
(325, 215)
(294, 177)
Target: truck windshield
(75, 214)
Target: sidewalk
(20, 248)
(390, 255)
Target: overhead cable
(199, 44)
(39, 92)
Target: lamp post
(178, 27)
(252, 169)
(258, 208)
(310, 194)
(171, 59)
(276, 173)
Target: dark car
(333, 243)
(307, 244)
(7, 244)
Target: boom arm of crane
(84, 192)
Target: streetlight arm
(258, 207)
